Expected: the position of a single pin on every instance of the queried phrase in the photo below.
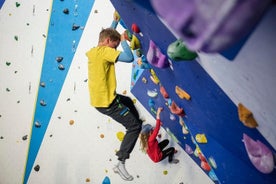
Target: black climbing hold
(59, 59)
(37, 124)
(36, 168)
(61, 67)
(75, 27)
(66, 11)
(42, 103)
(25, 137)
(42, 84)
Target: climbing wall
(48, 131)
(206, 124)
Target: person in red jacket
(150, 145)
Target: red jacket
(153, 150)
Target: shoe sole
(117, 171)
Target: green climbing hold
(17, 4)
(177, 51)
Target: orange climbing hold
(176, 110)
(246, 116)
(181, 93)
(164, 92)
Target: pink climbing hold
(259, 154)
(155, 57)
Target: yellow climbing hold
(135, 43)
(165, 172)
(116, 16)
(154, 77)
(124, 92)
(201, 138)
(120, 136)
(181, 93)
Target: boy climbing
(102, 89)
(149, 144)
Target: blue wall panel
(210, 110)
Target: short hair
(111, 33)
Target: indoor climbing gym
(84, 83)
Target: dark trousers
(169, 152)
(122, 110)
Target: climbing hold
(188, 149)
(143, 63)
(212, 162)
(135, 28)
(181, 93)
(71, 122)
(144, 80)
(17, 4)
(246, 116)
(184, 127)
(8, 89)
(155, 57)
(25, 137)
(106, 180)
(127, 35)
(42, 84)
(120, 136)
(154, 77)
(66, 11)
(59, 59)
(37, 124)
(176, 110)
(8, 63)
(204, 165)
(177, 51)
(75, 27)
(87, 180)
(203, 28)
(135, 74)
(151, 103)
(116, 16)
(212, 175)
(16, 38)
(61, 67)
(42, 103)
(36, 168)
(152, 93)
(165, 172)
(164, 92)
(138, 52)
(201, 138)
(259, 154)
(172, 117)
(102, 136)
(185, 130)
(135, 43)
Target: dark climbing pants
(122, 110)
(169, 152)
